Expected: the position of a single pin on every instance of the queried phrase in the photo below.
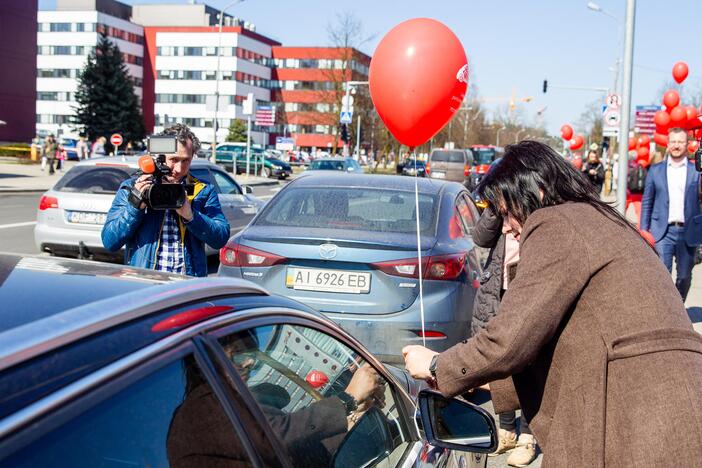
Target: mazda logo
(327, 251)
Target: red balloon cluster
(575, 142)
(418, 78)
(641, 146)
(566, 132)
(676, 114)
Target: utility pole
(626, 106)
(358, 137)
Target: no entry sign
(116, 139)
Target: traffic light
(545, 86)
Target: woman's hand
(417, 361)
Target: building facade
(18, 51)
(64, 40)
(308, 84)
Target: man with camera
(163, 215)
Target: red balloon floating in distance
(577, 142)
(660, 139)
(680, 72)
(566, 132)
(418, 78)
(644, 140)
(678, 115)
(671, 98)
(662, 119)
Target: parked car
(483, 157)
(112, 365)
(347, 246)
(446, 164)
(69, 145)
(71, 214)
(336, 164)
(272, 167)
(413, 167)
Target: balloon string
(419, 247)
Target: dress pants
(673, 245)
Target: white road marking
(14, 225)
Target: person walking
(670, 209)
(98, 149)
(605, 362)
(499, 268)
(82, 148)
(594, 170)
(49, 152)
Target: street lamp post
(597, 8)
(497, 143)
(516, 138)
(219, 55)
(626, 106)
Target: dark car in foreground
(115, 366)
(347, 246)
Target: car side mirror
(247, 189)
(455, 424)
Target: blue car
(347, 246)
(336, 164)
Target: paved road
(18, 216)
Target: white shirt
(677, 175)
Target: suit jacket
(656, 202)
(605, 361)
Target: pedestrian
(499, 268)
(98, 149)
(49, 153)
(167, 240)
(61, 156)
(670, 209)
(594, 170)
(82, 147)
(604, 359)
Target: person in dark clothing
(594, 170)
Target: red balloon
(316, 378)
(566, 132)
(644, 140)
(698, 133)
(680, 72)
(671, 98)
(691, 112)
(577, 162)
(678, 115)
(418, 78)
(642, 151)
(662, 119)
(632, 143)
(577, 142)
(692, 146)
(660, 139)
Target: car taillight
(466, 170)
(47, 202)
(238, 255)
(431, 334)
(441, 267)
(427, 170)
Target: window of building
(192, 51)
(60, 27)
(60, 50)
(47, 96)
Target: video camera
(161, 195)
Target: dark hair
(183, 133)
(530, 169)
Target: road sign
(346, 117)
(284, 144)
(116, 139)
(612, 118)
(644, 123)
(347, 103)
(613, 101)
(248, 105)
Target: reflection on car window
(327, 165)
(448, 156)
(202, 174)
(168, 418)
(364, 209)
(301, 379)
(226, 184)
(94, 179)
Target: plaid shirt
(170, 251)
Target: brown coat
(607, 367)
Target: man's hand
(186, 211)
(417, 361)
(364, 384)
(142, 184)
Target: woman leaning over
(605, 362)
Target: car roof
(334, 179)
(132, 162)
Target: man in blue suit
(670, 209)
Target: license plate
(339, 281)
(438, 175)
(85, 217)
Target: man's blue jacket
(140, 230)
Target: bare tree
(591, 121)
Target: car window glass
(301, 377)
(448, 156)
(168, 418)
(226, 184)
(467, 215)
(94, 179)
(363, 209)
(202, 174)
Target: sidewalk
(28, 178)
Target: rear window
(484, 155)
(327, 165)
(448, 156)
(94, 179)
(361, 209)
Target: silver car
(71, 214)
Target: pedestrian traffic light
(545, 85)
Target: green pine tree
(106, 100)
(237, 131)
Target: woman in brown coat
(607, 367)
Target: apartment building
(65, 38)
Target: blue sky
(514, 43)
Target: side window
(170, 417)
(202, 174)
(468, 216)
(321, 398)
(226, 184)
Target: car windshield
(484, 155)
(448, 156)
(363, 209)
(411, 162)
(327, 165)
(94, 179)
